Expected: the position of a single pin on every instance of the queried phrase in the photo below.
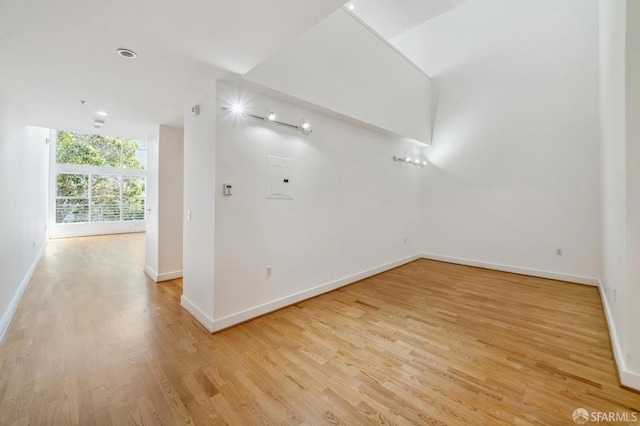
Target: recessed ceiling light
(126, 53)
(102, 113)
(351, 6)
(82, 101)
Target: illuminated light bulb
(407, 159)
(351, 7)
(271, 116)
(304, 125)
(237, 108)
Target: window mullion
(90, 199)
(121, 198)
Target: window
(99, 198)
(133, 198)
(99, 179)
(72, 198)
(105, 198)
(102, 151)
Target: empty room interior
(373, 212)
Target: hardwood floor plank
(94, 341)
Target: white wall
(515, 155)
(612, 137)
(620, 159)
(353, 207)
(171, 202)
(632, 168)
(342, 66)
(24, 194)
(165, 156)
(199, 190)
(152, 235)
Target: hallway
(75, 350)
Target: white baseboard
(151, 273)
(514, 269)
(202, 318)
(68, 230)
(628, 378)
(256, 311)
(166, 276)
(13, 306)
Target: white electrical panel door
(279, 177)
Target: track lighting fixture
(415, 162)
(304, 126)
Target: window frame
(62, 168)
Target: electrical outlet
(558, 252)
(268, 271)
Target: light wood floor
(95, 342)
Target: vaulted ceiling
(390, 18)
(54, 53)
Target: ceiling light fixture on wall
(416, 162)
(304, 126)
(126, 53)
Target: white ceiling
(55, 52)
(473, 31)
(390, 18)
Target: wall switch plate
(226, 188)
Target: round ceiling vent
(126, 53)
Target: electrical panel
(279, 177)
